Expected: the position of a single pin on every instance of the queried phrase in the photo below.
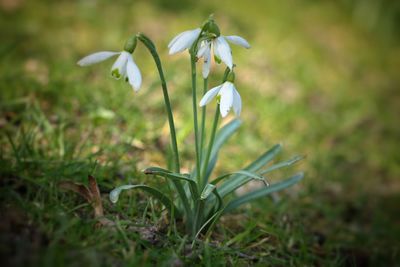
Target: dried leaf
(92, 195)
(96, 198)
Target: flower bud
(130, 44)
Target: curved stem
(182, 194)
(195, 122)
(210, 146)
(152, 49)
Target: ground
(321, 78)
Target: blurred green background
(322, 77)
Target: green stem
(203, 120)
(153, 51)
(212, 138)
(210, 146)
(195, 122)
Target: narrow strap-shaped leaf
(222, 136)
(208, 189)
(239, 179)
(282, 164)
(212, 219)
(174, 176)
(166, 201)
(262, 192)
(214, 207)
(219, 198)
(155, 169)
(168, 174)
(245, 173)
(264, 158)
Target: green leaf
(215, 204)
(219, 198)
(114, 196)
(208, 189)
(238, 180)
(222, 136)
(262, 192)
(245, 173)
(282, 164)
(174, 176)
(168, 174)
(211, 221)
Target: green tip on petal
(115, 73)
(217, 59)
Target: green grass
(321, 77)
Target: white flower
(221, 49)
(123, 67)
(229, 97)
(183, 41)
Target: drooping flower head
(227, 95)
(206, 40)
(124, 67)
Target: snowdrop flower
(210, 40)
(228, 98)
(183, 41)
(219, 45)
(221, 49)
(124, 67)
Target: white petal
(203, 48)
(226, 102)
(118, 70)
(216, 53)
(96, 57)
(184, 41)
(207, 63)
(224, 51)
(133, 73)
(175, 38)
(237, 40)
(209, 95)
(237, 102)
